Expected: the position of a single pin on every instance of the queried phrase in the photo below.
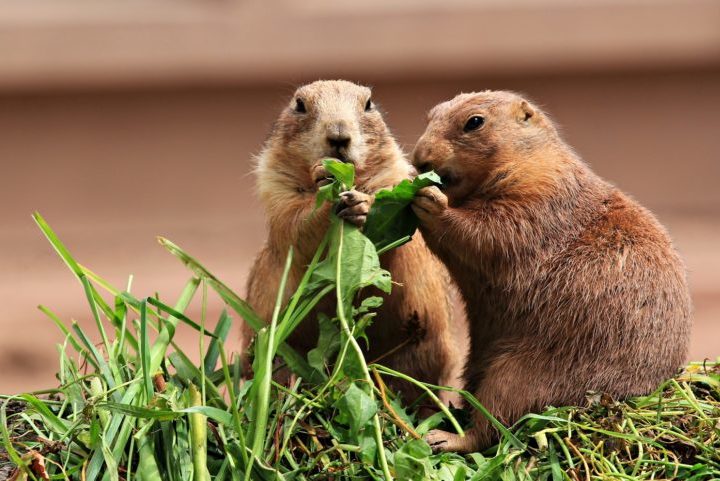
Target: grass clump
(133, 406)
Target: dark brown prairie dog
(338, 119)
(570, 285)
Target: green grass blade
(163, 340)
(51, 420)
(295, 361)
(7, 443)
(219, 336)
(96, 358)
(75, 344)
(145, 353)
(189, 373)
(178, 315)
(58, 245)
(147, 468)
(260, 391)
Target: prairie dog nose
(338, 135)
(421, 158)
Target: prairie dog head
(490, 143)
(328, 118)
(331, 118)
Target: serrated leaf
(356, 408)
(412, 460)
(328, 343)
(360, 264)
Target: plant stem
(198, 438)
(361, 357)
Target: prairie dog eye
(300, 106)
(369, 105)
(474, 123)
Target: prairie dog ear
(525, 112)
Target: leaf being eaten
(391, 217)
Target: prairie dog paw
(320, 175)
(438, 440)
(443, 441)
(354, 207)
(429, 202)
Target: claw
(356, 220)
(353, 197)
(354, 207)
(319, 175)
(323, 181)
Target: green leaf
(328, 343)
(412, 460)
(222, 417)
(342, 171)
(140, 412)
(360, 264)
(368, 448)
(356, 408)
(390, 216)
(555, 468)
(344, 175)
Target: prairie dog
(570, 285)
(339, 119)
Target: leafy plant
(135, 407)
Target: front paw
(320, 175)
(443, 441)
(354, 207)
(439, 441)
(429, 203)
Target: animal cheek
(357, 151)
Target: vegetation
(133, 406)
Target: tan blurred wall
(111, 170)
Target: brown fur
(570, 285)
(417, 313)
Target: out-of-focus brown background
(120, 121)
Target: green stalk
(202, 341)
(198, 438)
(361, 357)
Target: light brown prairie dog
(339, 119)
(570, 285)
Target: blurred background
(120, 121)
